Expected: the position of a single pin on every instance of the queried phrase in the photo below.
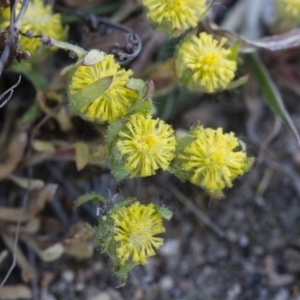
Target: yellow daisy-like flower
(207, 60)
(38, 19)
(213, 160)
(115, 101)
(289, 10)
(135, 228)
(146, 145)
(175, 15)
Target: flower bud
(38, 19)
(141, 146)
(211, 159)
(203, 64)
(98, 88)
(128, 233)
(174, 17)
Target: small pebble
(166, 283)
(79, 287)
(244, 240)
(232, 236)
(68, 276)
(170, 247)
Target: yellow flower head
(135, 227)
(38, 19)
(115, 101)
(175, 15)
(146, 145)
(289, 10)
(207, 61)
(212, 159)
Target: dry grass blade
(15, 154)
(274, 133)
(287, 40)
(26, 183)
(39, 200)
(27, 271)
(51, 253)
(14, 292)
(271, 92)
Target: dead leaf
(26, 183)
(3, 255)
(43, 146)
(15, 154)
(82, 154)
(18, 291)
(81, 242)
(37, 203)
(51, 253)
(286, 40)
(64, 119)
(27, 271)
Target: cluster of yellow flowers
(100, 90)
(139, 145)
(146, 145)
(114, 103)
(37, 19)
(204, 64)
(214, 159)
(175, 16)
(128, 233)
(135, 227)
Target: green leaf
(236, 83)
(186, 77)
(271, 92)
(143, 107)
(30, 115)
(122, 270)
(89, 197)
(119, 172)
(164, 212)
(249, 163)
(234, 50)
(124, 202)
(143, 104)
(179, 172)
(112, 131)
(89, 93)
(184, 142)
(137, 85)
